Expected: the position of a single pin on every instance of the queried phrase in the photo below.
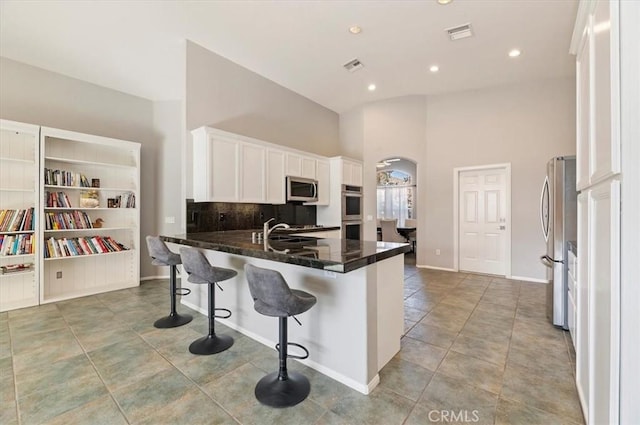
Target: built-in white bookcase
(113, 166)
(19, 191)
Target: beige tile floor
(477, 350)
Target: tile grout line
(86, 353)
(13, 372)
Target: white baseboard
(529, 279)
(420, 266)
(364, 389)
(142, 279)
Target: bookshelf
(19, 230)
(89, 186)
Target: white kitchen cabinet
(252, 171)
(604, 147)
(572, 288)
(275, 180)
(351, 172)
(299, 165)
(582, 305)
(583, 101)
(19, 195)
(596, 43)
(323, 175)
(604, 300)
(216, 160)
(598, 94)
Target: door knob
(502, 227)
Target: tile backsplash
(217, 216)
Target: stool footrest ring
(226, 310)
(182, 291)
(306, 355)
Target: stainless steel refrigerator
(559, 221)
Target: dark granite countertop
(302, 229)
(337, 255)
(573, 247)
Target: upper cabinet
(351, 172)
(275, 181)
(596, 44)
(231, 168)
(216, 160)
(301, 166)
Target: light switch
(169, 220)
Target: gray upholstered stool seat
(201, 272)
(273, 297)
(163, 256)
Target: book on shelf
(57, 200)
(16, 220)
(85, 245)
(67, 220)
(20, 244)
(65, 178)
(16, 268)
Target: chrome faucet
(266, 231)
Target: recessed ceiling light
(355, 29)
(434, 68)
(444, 1)
(514, 53)
(371, 87)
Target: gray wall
(525, 125)
(37, 96)
(224, 95)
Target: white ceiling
(138, 46)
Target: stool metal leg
(282, 388)
(174, 319)
(212, 343)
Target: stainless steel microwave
(302, 189)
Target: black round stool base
(172, 321)
(275, 393)
(211, 344)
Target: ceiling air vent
(353, 65)
(461, 31)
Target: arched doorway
(396, 195)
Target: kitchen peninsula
(356, 325)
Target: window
(395, 195)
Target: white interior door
(482, 220)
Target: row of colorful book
(87, 245)
(65, 178)
(57, 200)
(20, 244)
(67, 220)
(17, 220)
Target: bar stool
(273, 297)
(200, 271)
(162, 256)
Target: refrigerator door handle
(548, 261)
(544, 208)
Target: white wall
(37, 96)
(392, 128)
(522, 124)
(224, 95)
